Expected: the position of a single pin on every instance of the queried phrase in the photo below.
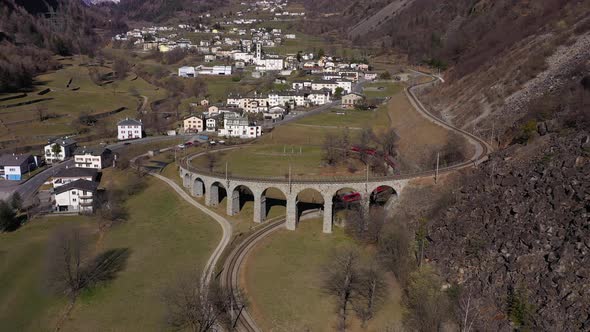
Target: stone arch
(237, 198)
(307, 200)
(345, 200)
(269, 200)
(217, 192)
(198, 187)
(384, 196)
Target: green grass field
(354, 119)
(283, 282)
(274, 161)
(382, 89)
(166, 236)
(21, 124)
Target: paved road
(28, 189)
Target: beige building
(193, 124)
(351, 100)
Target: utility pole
(492, 134)
(289, 178)
(437, 163)
(367, 179)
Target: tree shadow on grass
(106, 266)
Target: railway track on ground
(230, 275)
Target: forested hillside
(159, 10)
(32, 32)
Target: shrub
(519, 309)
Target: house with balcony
(238, 126)
(93, 157)
(78, 196)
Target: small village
(303, 81)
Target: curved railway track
(230, 274)
(231, 268)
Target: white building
(291, 98)
(186, 71)
(96, 157)
(275, 113)
(236, 126)
(270, 64)
(71, 174)
(66, 145)
(319, 97)
(129, 129)
(332, 85)
(301, 85)
(267, 63)
(211, 124)
(345, 85)
(215, 70)
(77, 196)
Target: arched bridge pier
(325, 195)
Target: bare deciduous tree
(340, 280)
(389, 142)
(197, 87)
(67, 256)
(190, 305)
(395, 251)
(121, 68)
(468, 313)
(427, 304)
(371, 291)
(331, 148)
(71, 265)
(365, 226)
(365, 140)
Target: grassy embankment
(166, 237)
(283, 281)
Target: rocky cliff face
(523, 222)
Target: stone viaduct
(209, 185)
